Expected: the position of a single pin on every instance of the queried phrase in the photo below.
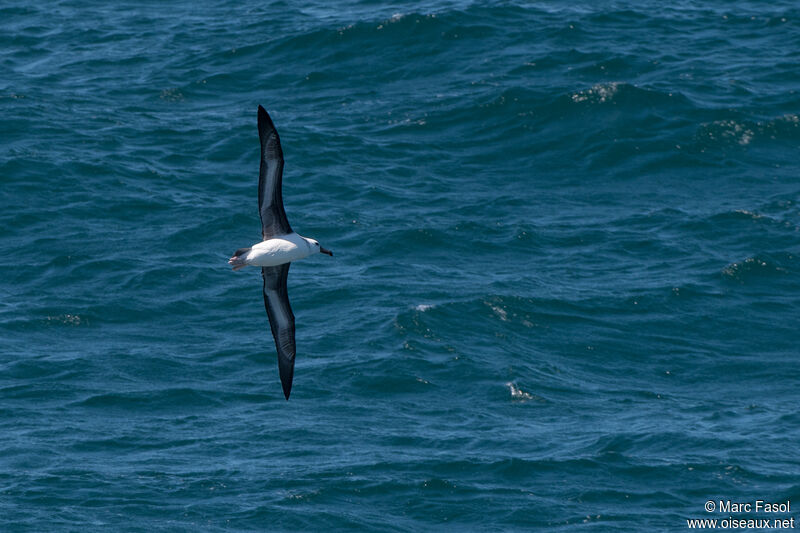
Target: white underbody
(280, 250)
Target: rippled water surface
(565, 290)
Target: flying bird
(279, 247)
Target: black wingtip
(287, 387)
(286, 369)
(265, 124)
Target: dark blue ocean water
(565, 292)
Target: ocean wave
(172, 399)
(762, 267)
(731, 132)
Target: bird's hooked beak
(325, 251)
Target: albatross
(279, 247)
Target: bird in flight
(279, 247)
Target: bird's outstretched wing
(270, 198)
(281, 320)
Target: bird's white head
(315, 247)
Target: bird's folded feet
(237, 262)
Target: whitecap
(67, 319)
(517, 393)
(500, 312)
(600, 93)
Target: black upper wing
(281, 320)
(270, 199)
